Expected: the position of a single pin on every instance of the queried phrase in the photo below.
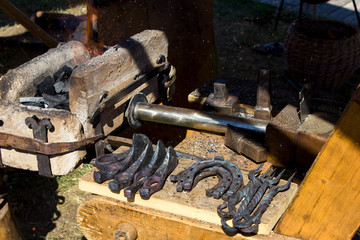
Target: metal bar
(121, 141)
(37, 146)
(195, 119)
(263, 106)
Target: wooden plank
(195, 205)
(99, 217)
(8, 228)
(326, 205)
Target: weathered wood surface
(8, 229)
(327, 203)
(114, 70)
(22, 81)
(169, 204)
(187, 24)
(99, 217)
(67, 128)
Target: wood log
(327, 203)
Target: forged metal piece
(40, 127)
(254, 219)
(111, 164)
(141, 176)
(239, 196)
(231, 177)
(157, 180)
(179, 178)
(253, 191)
(124, 179)
(223, 185)
(240, 219)
(245, 195)
(198, 166)
(208, 172)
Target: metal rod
(195, 119)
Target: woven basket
(322, 52)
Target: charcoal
(59, 101)
(59, 87)
(62, 74)
(46, 86)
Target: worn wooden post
(327, 204)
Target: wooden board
(99, 217)
(194, 205)
(327, 203)
(8, 228)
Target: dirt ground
(46, 208)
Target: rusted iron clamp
(39, 145)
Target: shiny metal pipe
(195, 119)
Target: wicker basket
(325, 53)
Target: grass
(69, 180)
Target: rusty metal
(116, 141)
(224, 176)
(223, 185)
(37, 146)
(40, 127)
(245, 196)
(254, 220)
(112, 164)
(125, 178)
(227, 186)
(138, 168)
(240, 219)
(238, 141)
(263, 106)
(239, 196)
(156, 181)
(204, 174)
(141, 176)
(220, 101)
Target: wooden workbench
(169, 214)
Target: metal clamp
(40, 127)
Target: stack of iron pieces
(253, 199)
(229, 174)
(230, 188)
(139, 168)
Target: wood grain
(327, 203)
(99, 217)
(7, 226)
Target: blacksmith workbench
(324, 207)
(169, 214)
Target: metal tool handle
(140, 109)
